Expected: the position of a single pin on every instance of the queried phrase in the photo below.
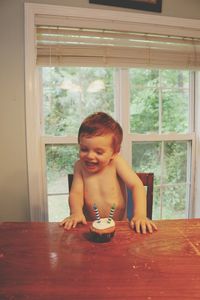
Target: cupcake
(102, 230)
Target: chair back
(147, 180)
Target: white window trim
(196, 191)
(111, 19)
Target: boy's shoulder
(77, 165)
(120, 163)
(118, 158)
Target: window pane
(174, 100)
(58, 208)
(174, 202)
(157, 208)
(171, 79)
(176, 184)
(144, 101)
(159, 101)
(71, 94)
(169, 163)
(144, 78)
(175, 161)
(170, 202)
(60, 160)
(175, 108)
(146, 157)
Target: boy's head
(99, 124)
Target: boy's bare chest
(103, 189)
(103, 180)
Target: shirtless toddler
(100, 176)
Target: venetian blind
(66, 46)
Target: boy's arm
(76, 201)
(139, 222)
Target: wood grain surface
(41, 261)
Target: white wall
(14, 202)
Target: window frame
(36, 142)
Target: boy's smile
(96, 152)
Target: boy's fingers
(154, 226)
(143, 227)
(149, 227)
(132, 224)
(68, 224)
(137, 227)
(84, 221)
(74, 224)
(62, 222)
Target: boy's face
(96, 152)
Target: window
(69, 95)
(159, 104)
(126, 73)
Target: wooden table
(41, 261)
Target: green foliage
(60, 160)
(65, 107)
(159, 101)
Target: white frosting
(103, 224)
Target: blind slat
(60, 46)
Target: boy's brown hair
(101, 123)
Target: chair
(147, 180)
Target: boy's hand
(72, 221)
(142, 225)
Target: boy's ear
(114, 154)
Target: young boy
(100, 176)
